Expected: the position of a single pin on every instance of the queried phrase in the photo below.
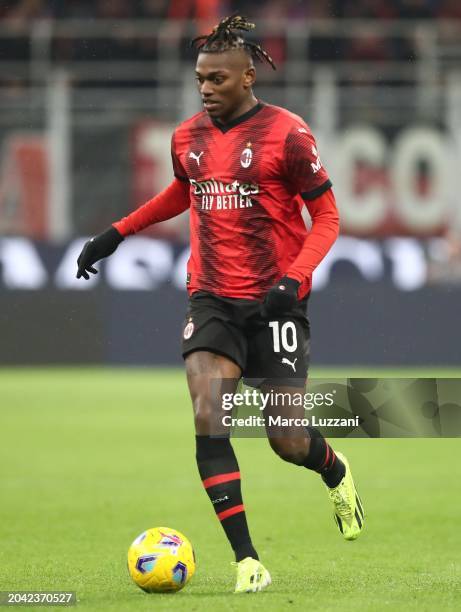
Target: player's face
(224, 82)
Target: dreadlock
(223, 38)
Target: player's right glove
(281, 298)
(95, 249)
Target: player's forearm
(169, 203)
(324, 231)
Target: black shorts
(272, 349)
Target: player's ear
(249, 77)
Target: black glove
(95, 249)
(281, 298)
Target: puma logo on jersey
(196, 157)
(286, 361)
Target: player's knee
(203, 414)
(293, 450)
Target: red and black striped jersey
(246, 183)
(245, 180)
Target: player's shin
(220, 475)
(322, 459)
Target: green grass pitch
(91, 458)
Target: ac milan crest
(188, 330)
(246, 156)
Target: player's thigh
(278, 361)
(210, 377)
(285, 420)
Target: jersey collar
(225, 127)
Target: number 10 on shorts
(284, 335)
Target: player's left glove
(95, 249)
(281, 298)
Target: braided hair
(224, 37)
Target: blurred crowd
(179, 9)
(122, 43)
(326, 43)
(19, 14)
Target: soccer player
(245, 169)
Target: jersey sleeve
(178, 168)
(167, 204)
(324, 231)
(304, 171)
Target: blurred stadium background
(90, 92)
